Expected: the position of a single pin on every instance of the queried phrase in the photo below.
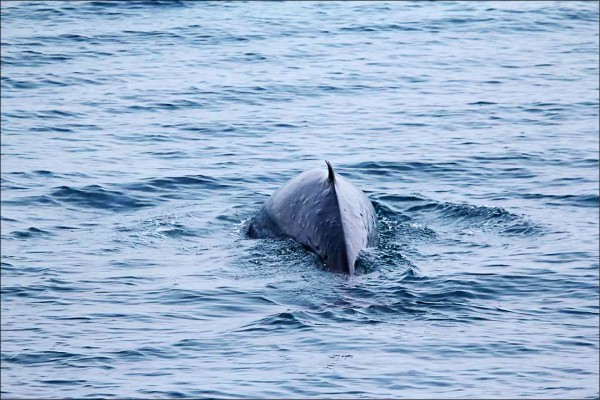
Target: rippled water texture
(139, 138)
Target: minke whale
(323, 211)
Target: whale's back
(323, 211)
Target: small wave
(9, 83)
(381, 28)
(167, 155)
(30, 233)
(393, 168)
(479, 217)
(43, 173)
(167, 227)
(399, 235)
(74, 37)
(95, 196)
(58, 114)
(42, 357)
(63, 382)
(30, 58)
(144, 353)
(399, 198)
(9, 269)
(178, 186)
(280, 321)
(138, 4)
(482, 103)
(173, 394)
(398, 229)
(589, 200)
(155, 34)
(467, 211)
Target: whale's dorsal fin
(331, 176)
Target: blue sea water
(138, 139)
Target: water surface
(139, 138)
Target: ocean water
(139, 138)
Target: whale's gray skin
(323, 211)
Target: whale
(324, 212)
